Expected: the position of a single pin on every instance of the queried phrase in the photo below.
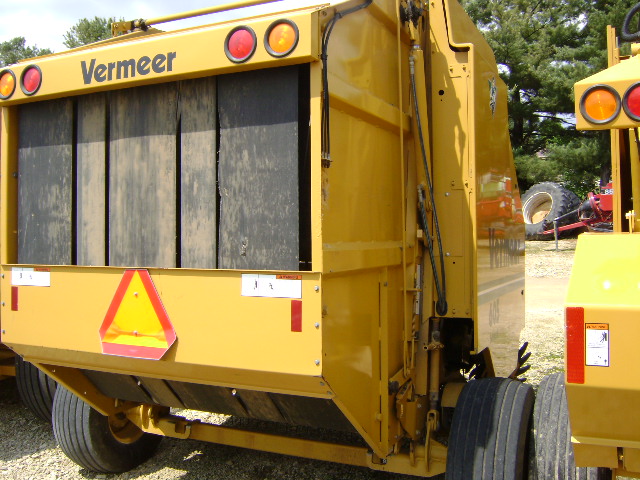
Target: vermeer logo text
(126, 68)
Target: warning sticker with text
(597, 344)
(273, 286)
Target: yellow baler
(307, 216)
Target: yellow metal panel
(631, 459)
(160, 58)
(9, 184)
(362, 228)
(596, 456)
(483, 225)
(216, 326)
(605, 281)
(351, 326)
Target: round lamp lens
(31, 80)
(240, 45)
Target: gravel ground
(28, 450)
(547, 278)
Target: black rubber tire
(36, 389)
(626, 34)
(85, 436)
(552, 448)
(562, 202)
(490, 431)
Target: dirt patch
(547, 279)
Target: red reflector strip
(296, 315)
(574, 323)
(14, 299)
(133, 351)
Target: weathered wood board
(258, 170)
(91, 180)
(198, 192)
(45, 165)
(142, 177)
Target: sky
(44, 22)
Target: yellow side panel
(362, 223)
(605, 281)
(216, 326)
(476, 188)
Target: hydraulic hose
(439, 278)
(326, 137)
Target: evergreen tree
(14, 50)
(543, 47)
(88, 31)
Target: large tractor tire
(35, 388)
(490, 431)
(552, 451)
(543, 203)
(95, 442)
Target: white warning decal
(30, 277)
(272, 286)
(597, 344)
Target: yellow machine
(307, 216)
(602, 384)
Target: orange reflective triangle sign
(136, 324)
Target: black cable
(326, 138)
(441, 290)
(425, 225)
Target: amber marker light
(240, 44)
(281, 38)
(31, 79)
(600, 104)
(631, 102)
(7, 84)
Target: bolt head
(317, 325)
(317, 362)
(316, 288)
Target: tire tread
(85, 437)
(499, 405)
(553, 452)
(35, 388)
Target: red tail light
(240, 44)
(7, 84)
(631, 102)
(574, 323)
(30, 80)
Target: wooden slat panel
(142, 177)
(259, 405)
(207, 398)
(124, 387)
(91, 184)
(45, 183)
(160, 392)
(199, 195)
(258, 170)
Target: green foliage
(543, 47)
(88, 31)
(14, 50)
